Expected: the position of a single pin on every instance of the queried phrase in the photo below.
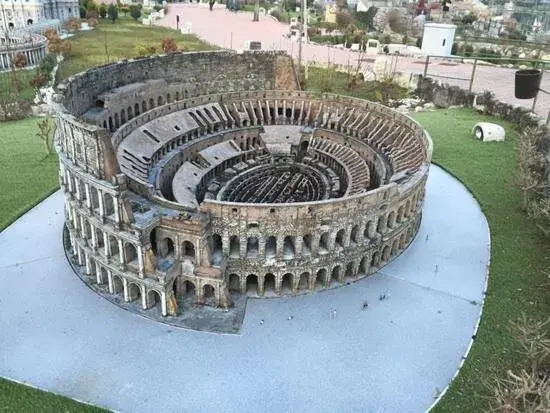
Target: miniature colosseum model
(210, 174)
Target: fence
(503, 78)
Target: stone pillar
(225, 243)
(280, 247)
(88, 197)
(106, 245)
(117, 212)
(94, 238)
(140, 260)
(163, 304)
(298, 245)
(347, 237)
(121, 252)
(261, 248)
(101, 204)
(315, 245)
(110, 281)
(87, 261)
(242, 247)
(125, 289)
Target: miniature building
(15, 14)
(32, 46)
(185, 180)
(438, 38)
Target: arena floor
(397, 355)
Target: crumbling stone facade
(185, 175)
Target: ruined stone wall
(210, 72)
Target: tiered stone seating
(357, 167)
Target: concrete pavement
(396, 356)
(230, 30)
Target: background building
(19, 13)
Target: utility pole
(256, 17)
(303, 31)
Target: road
(230, 30)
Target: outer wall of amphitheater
(145, 207)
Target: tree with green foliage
(103, 11)
(469, 18)
(367, 17)
(135, 12)
(112, 12)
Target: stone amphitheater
(194, 179)
(33, 46)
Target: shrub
(93, 22)
(454, 49)
(112, 12)
(395, 21)
(169, 45)
(276, 13)
(72, 24)
(419, 42)
(468, 50)
(343, 19)
(103, 11)
(145, 50)
(82, 12)
(157, 7)
(405, 40)
(92, 14)
(385, 39)
(135, 12)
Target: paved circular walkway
(396, 356)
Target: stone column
(140, 260)
(94, 238)
(88, 197)
(117, 212)
(298, 245)
(242, 247)
(120, 252)
(261, 248)
(280, 247)
(106, 244)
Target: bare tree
(45, 134)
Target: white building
(437, 39)
(19, 13)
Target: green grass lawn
(7, 87)
(519, 253)
(121, 39)
(29, 175)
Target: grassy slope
(7, 89)
(121, 38)
(28, 177)
(518, 252)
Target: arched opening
(354, 237)
(153, 298)
(381, 224)
(386, 253)
(159, 101)
(375, 259)
(349, 275)
(208, 295)
(144, 106)
(94, 197)
(302, 282)
(177, 96)
(29, 21)
(113, 244)
(286, 283)
(403, 240)
(320, 279)
(323, 243)
(234, 247)
(369, 229)
(168, 98)
(109, 204)
(252, 247)
(136, 109)
(130, 113)
(123, 116)
(288, 248)
(166, 247)
(130, 253)
(335, 275)
(234, 282)
(117, 121)
(269, 284)
(304, 145)
(103, 276)
(363, 266)
(400, 214)
(111, 127)
(151, 103)
(188, 250)
(189, 292)
(134, 292)
(252, 284)
(271, 247)
(217, 249)
(118, 287)
(339, 242)
(391, 219)
(100, 241)
(394, 247)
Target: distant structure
(15, 14)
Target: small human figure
(365, 305)
(290, 317)
(261, 322)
